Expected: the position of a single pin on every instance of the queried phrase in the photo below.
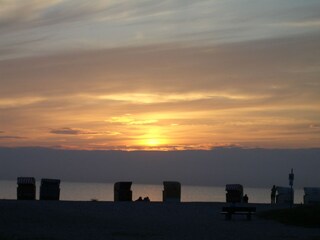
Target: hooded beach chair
(26, 189)
(284, 195)
(50, 189)
(122, 191)
(311, 195)
(171, 192)
(234, 193)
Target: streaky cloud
(8, 137)
(61, 23)
(75, 131)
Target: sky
(159, 75)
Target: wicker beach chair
(26, 189)
(122, 191)
(171, 192)
(234, 193)
(50, 189)
(284, 195)
(311, 195)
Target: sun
(153, 142)
(153, 138)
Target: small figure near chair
(245, 199)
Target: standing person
(273, 194)
(245, 198)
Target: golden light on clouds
(130, 120)
(145, 98)
(18, 102)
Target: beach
(59, 220)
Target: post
(291, 178)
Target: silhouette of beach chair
(122, 191)
(50, 189)
(26, 189)
(234, 193)
(284, 195)
(171, 192)
(311, 195)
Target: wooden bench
(229, 211)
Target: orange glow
(153, 138)
(153, 142)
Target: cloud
(205, 167)
(33, 24)
(19, 101)
(304, 24)
(255, 93)
(17, 14)
(8, 137)
(72, 131)
(272, 68)
(35, 12)
(74, 24)
(129, 120)
(315, 126)
(76, 131)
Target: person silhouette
(245, 198)
(146, 199)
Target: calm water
(104, 192)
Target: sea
(81, 191)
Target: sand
(46, 220)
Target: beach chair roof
(47, 180)
(234, 187)
(172, 186)
(171, 183)
(26, 180)
(123, 185)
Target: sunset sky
(160, 75)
